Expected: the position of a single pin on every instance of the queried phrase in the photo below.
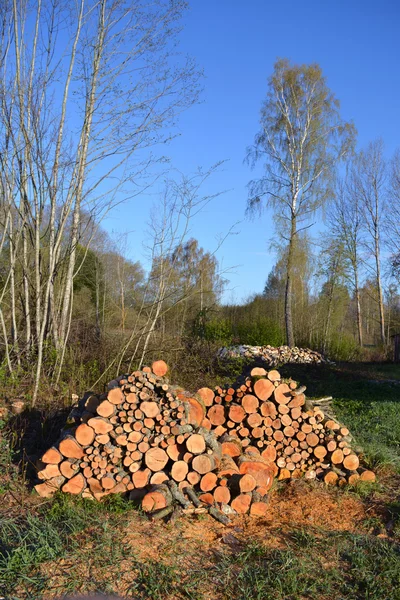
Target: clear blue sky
(357, 44)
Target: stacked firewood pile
(217, 450)
(273, 356)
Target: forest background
(91, 100)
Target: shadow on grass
(31, 433)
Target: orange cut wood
(282, 394)
(50, 471)
(159, 477)
(254, 420)
(353, 478)
(216, 415)
(204, 463)
(153, 501)
(263, 389)
(247, 483)
(258, 509)
(100, 425)
(159, 368)
(105, 409)
(320, 452)
(75, 485)
(227, 466)
(312, 439)
(197, 411)
(269, 454)
(222, 494)
(274, 375)
(268, 409)
(179, 470)
(68, 468)
(241, 503)
(236, 413)
(284, 474)
(351, 462)
(174, 451)
(70, 448)
(368, 476)
(208, 482)
(52, 456)
(193, 477)
(156, 459)
(116, 396)
(196, 444)
(250, 404)
(331, 478)
(258, 468)
(297, 401)
(206, 395)
(141, 478)
(258, 372)
(207, 498)
(337, 457)
(150, 409)
(84, 434)
(50, 487)
(231, 446)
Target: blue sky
(357, 44)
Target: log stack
(272, 418)
(217, 450)
(274, 356)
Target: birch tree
(370, 185)
(301, 140)
(346, 224)
(87, 89)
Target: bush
(262, 332)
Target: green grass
(367, 404)
(310, 564)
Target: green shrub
(262, 332)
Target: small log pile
(272, 418)
(217, 450)
(273, 357)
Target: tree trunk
(289, 283)
(358, 304)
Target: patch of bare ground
(193, 543)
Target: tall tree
(371, 179)
(346, 224)
(301, 140)
(86, 89)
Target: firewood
(159, 368)
(75, 485)
(204, 463)
(241, 503)
(196, 444)
(156, 459)
(222, 494)
(208, 482)
(263, 389)
(158, 497)
(70, 448)
(52, 456)
(351, 462)
(207, 395)
(368, 476)
(179, 470)
(282, 394)
(84, 434)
